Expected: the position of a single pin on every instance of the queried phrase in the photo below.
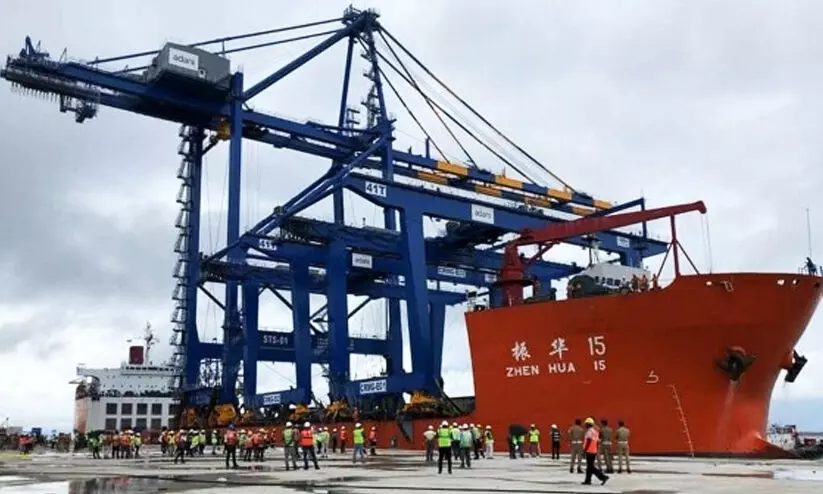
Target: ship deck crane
(513, 272)
(195, 87)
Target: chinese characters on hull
(520, 354)
(558, 364)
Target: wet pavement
(393, 472)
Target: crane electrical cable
(339, 259)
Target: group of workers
(585, 438)
(121, 444)
(307, 442)
(187, 443)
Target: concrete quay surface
(393, 471)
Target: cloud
(678, 103)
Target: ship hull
(649, 359)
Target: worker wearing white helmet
(428, 438)
(488, 439)
(466, 446)
(359, 440)
(307, 446)
(455, 430)
(555, 436)
(444, 446)
(290, 437)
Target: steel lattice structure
(393, 263)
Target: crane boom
(587, 225)
(512, 277)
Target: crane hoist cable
(499, 147)
(411, 114)
(469, 158)
(475, 112)
(450, 117)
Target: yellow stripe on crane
(432, 177)
(560, 195)
(508, 182)
(489, 191)
(445, 166)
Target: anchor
(793, 365)
(736, 363)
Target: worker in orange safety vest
(591, 443)
(307, 445)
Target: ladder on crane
(180, 294)
(682, 415)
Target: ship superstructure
(135, 395)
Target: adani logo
(184, 60)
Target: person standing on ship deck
(555, 435)
(590, 446)
(575, 436)
(444, 447)
(622, 436)
(605, 451)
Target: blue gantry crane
(195, 86)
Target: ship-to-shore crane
(196, 87)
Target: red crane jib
(512, 278)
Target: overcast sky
(677, 101)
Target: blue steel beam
(432, 203)
(68, 78)
(381, 267)
(382, 242)
(219, 272)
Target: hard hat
(471, 425)
(431, 428)
(554, 426)
(358, 425)
(532, 426)
(342, 427)
(455, 424)
(589, 420)
(288, 424)
(373, 428)
(444, 423)
(488, 427)
(307, 424)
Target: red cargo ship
(690, 367)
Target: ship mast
(148, 337)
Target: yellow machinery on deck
(300, 412)
(338, 411)
(223, 415)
